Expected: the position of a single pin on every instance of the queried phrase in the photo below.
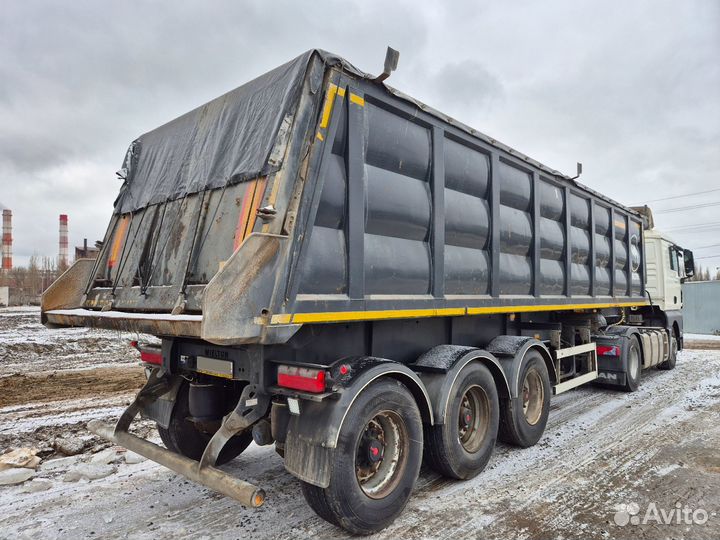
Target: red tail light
(608, 350)
(151, 357)
(300, 378)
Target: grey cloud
(630, 89)
(467, 87)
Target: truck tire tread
(443, 451)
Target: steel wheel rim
(633, 361)
(473, 418)
(379, 478)
(533, 396)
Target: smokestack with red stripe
(63, 253)
(7, 240)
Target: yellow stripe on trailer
(333, 90)
(373, 315)
(357, 100)
(554, 307)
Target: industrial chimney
(63, 253)
(7, 240)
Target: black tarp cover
(230, 139)
(226, 141)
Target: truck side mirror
(689, 263)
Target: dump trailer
(345, 273)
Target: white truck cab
(667, 265)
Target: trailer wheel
(183, 437)
(461, 447)
(315, 497)
(672, 357)
(634, 366)
(376, 461)
(523, 419)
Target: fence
(701, 307)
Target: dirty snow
(701, 337)
(601, 449)
(27, 346)
(126, 315)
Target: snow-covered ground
(27, 346)
(602, 449)
(701, 337)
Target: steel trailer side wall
(415, 213)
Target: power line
(679, 196)
(697, 226)
(707, 257)
(689, 207)
(694, 231)
(705, 247)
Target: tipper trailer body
(337, 269)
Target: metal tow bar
(203, 472)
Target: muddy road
(610, 465)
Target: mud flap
(312, 435)
(612, 369)
(309, 462)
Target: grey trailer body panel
(404, 220)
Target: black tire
(633, 368)
(520, 425)
(387, 407)
(184, 438)
(315, 497)
(462, 446)
(672, 358)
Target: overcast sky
(631, 89)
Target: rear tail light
(608, 350)
(301, 378)
(147, 354)
(151, 357)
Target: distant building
(87, 252)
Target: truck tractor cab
(667, 266)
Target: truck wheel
(634, 366)
(523, 419)
(315, 497)
(376, 461)
(672, 357)
(461, 447)
(183, 437)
